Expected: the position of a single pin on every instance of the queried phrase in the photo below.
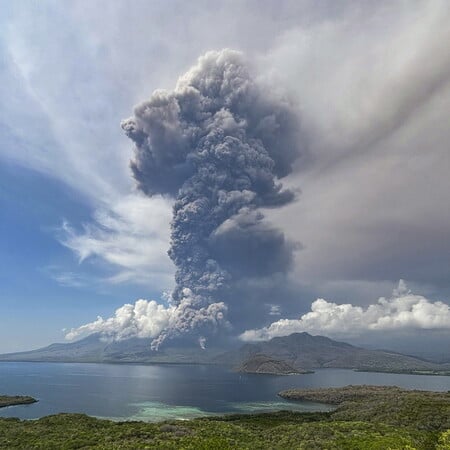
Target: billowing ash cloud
(403, 311)
(143, 319)
(218, 143)
(149, 319)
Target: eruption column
(217, 143)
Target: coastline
(365, 417)
(15, 400)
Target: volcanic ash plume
(217, 143)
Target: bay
(171, 391)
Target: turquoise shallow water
(159, 392)
(156, 411)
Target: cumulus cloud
(403, 310)
(149, 319)
(143, 319)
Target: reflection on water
(157, 392)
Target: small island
(431, 372)
(7, 400)
(341, 395)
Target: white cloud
(403, 310)
(132, 235)
(61, 117)
(275, 310)
(67, 279)
(143, 319)
(149, 319)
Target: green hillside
(365, 418)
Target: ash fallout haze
(285, 169)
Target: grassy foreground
(365, 418)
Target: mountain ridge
(304, 351)
(301, 351)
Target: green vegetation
(441, 373)
(365, 418)
(421, 410)
(77, 431)
(6, 400)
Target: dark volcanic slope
(87, 349)
(301, 350)
(95, 349)
(265, 364)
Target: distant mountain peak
(298, 350)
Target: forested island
(7, 400)
(363, 417)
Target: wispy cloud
(374, 85)
(68, 279)
(274, 310)
(132, 236)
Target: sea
(173, 391)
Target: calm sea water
(158, 392)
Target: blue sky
(77, 240)
(44, 287)
(60, 118)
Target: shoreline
(365, 417)
(16, 400)
(433, 373)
